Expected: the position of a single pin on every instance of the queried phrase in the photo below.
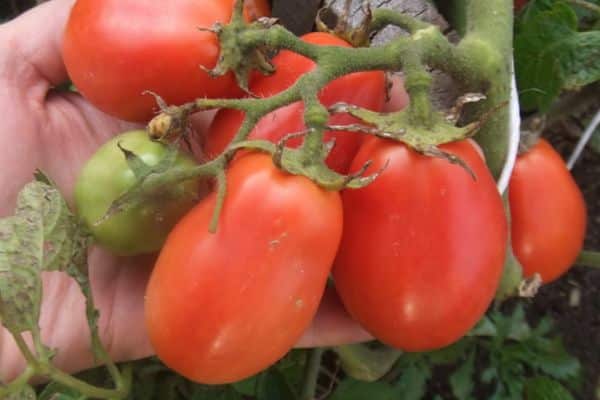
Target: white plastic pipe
(585, 138)
(514, 136)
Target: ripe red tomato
(365, 89)
(423, 246)
(548, 213)
(114, 50)
(520, 4)
(221, 307)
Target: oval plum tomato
(114, 50)
(364, 89)
(423, 246)
(221, 307)
(106, 176)
(548, 213)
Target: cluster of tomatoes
(416, 256)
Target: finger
(332, 326)
(398, 95)
(33, 43)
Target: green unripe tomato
(106, 176)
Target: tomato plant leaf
(351, 389)
(543, 388)
(202, 392)
(273, 386)
(551, 55)
(37, 238)
(140, 169)
(461, 381)
(413, 382)
(485, 327)
(554, 361)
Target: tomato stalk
(311, 374)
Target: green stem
(589, 259)
(486, 49)
(586, 4)
(85, 388)
(418, 85)
(18, 383)
(24, 349)
(311, 373)
(386, 16)
(98, 349)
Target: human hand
(57, 132)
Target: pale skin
(57, 132)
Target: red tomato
(114, 50)
(423, 246)
(520, 4)
(548, 213)
(221, 307)
(365, 89)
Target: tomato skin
(106, 176)
(520, 4)
(423, 246)
(365, 89)
(548, 213)
(114, 50)
(221, 307)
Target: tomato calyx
(236, 55)
(531, 131)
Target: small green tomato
(106, 176)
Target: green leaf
(485, 327)
(513, 326)
(412, 384)
(556, 362)
(247, 386)
(351, 389)
(140, 169)
(453, 353)
(290, 369)
(273, 386)
(550, 55)
(37, 238)
(489, 374)
(203, 392)
(542, 388)
(461, 381)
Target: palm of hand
(57, 132)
